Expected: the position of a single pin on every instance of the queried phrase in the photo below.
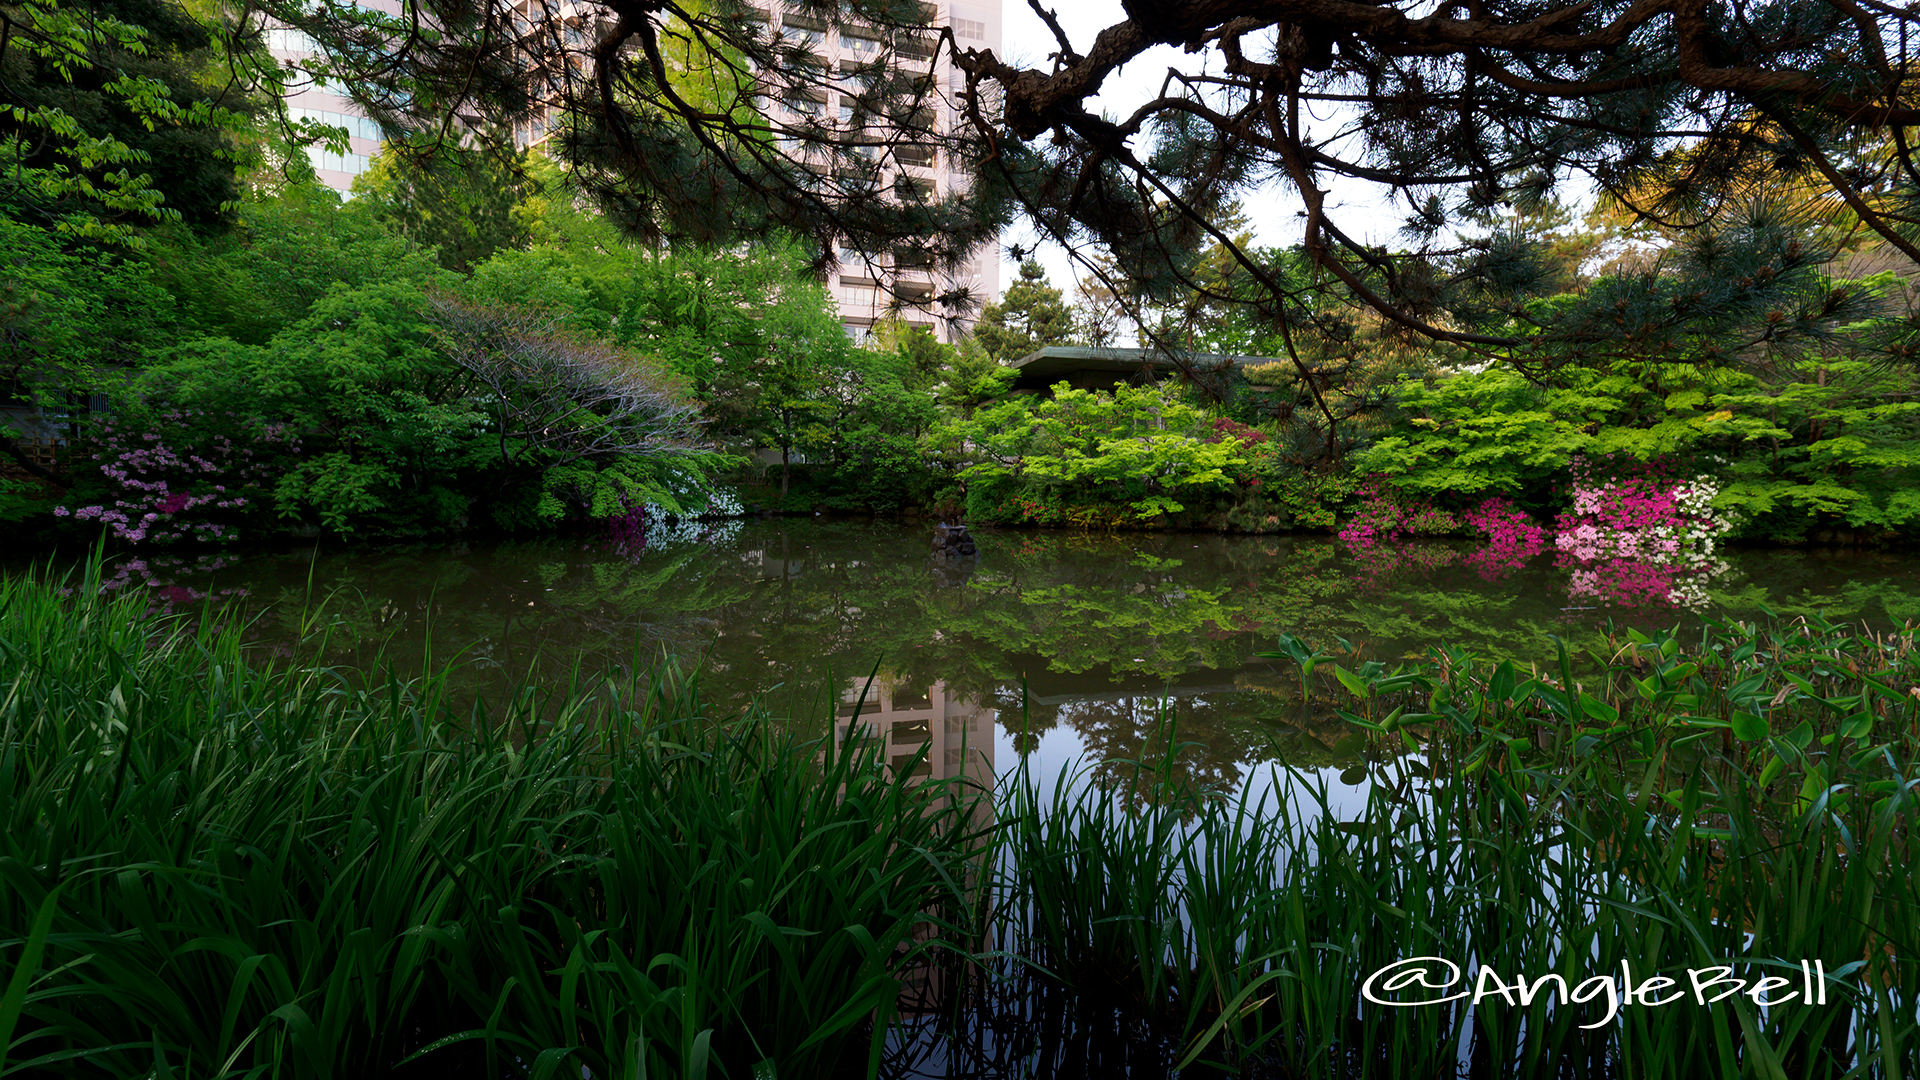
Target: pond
(1046, 647)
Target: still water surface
(1046, 647)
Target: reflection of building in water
(956, 735)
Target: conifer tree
(1031, 315)
(1691, 113)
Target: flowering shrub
(160, 490)
(161, 577)
(645, 524)
(1512, 538)
(1647, 538)
(1248, 436)
(1385, 515)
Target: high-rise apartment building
(316, 100)
(866, 291)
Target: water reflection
(925, 732)
(1039, 634)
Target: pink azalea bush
(160, 576)
(1645, 538)
(160, 490)
(1385, 515)
(1512, 538)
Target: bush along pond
(1664, 857)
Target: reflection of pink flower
(1512, 538)
(1645, 539)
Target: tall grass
(213, 867)
(1749, 799)
(218, 865)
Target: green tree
(972, 378)
(922, 355)
(119, 114)
(459, 201)
(1031, 315)
(1136, 450)
(73, 319)
(284, 253)
(1690, 115)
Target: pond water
(1046, 647)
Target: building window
(866, 73)
(351, 164)
(803, 31)
(286, 39)
(358, 127)
(971, 29)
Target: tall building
(866, 292)
(314, 99)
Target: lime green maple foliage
(1137, 448)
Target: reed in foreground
(210, 867)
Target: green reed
(1749, 798)
(213, 864)
(215, 867)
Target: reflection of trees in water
(1150, 747)
(790, 604)
(513, 611)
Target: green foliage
(865, 434)
(115, 118)
(385, 420)
(1030, 315)
(1821, 442)
(456, 200)
(1137, 450)
(1490, 431)
(298, 871)
(70, 316)
(972, 378)
(293, 871)
(285, 253)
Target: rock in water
(953, 540)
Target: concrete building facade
(868, 293)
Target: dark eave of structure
(1101, 369)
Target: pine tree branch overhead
(717, 121)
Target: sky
(1274, 211)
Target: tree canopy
(692, 119)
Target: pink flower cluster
(157, 487)
(1645, 538)
(1385, 516)
(1512, 538)
(157, 575)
